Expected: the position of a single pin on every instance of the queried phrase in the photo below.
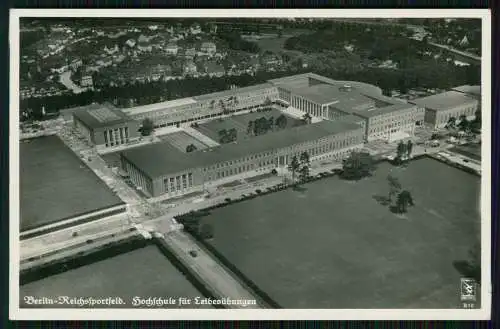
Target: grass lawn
(181, 140)
(240, 123)
(472, 150)
(56, 184)
(144, 272)
(334, 246)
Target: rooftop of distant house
(162, 159)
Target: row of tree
(263, 125)
(404, 198)
(228, 135)
(464, 124)
(300, 165)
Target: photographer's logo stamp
(468, 290)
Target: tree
(304, 166)
(409, 148)
(233, 134)
(268, 102)
(307, 118)
(281, 121)
(401, 150)
(293, 167)
(404, 200)
(464, 124)
(304, 173)
(147, 127)
(270, 123)
(358, 165)
(191, 148)
(394, 186)
(250, 127)
(451, 122)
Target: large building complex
(162, 169)
(105, 127)
(384, 118)
(441, 107)
(346, 114)
(187, 110)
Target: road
(65, 79)
(213, 274)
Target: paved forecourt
(334, 245)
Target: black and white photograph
(199, 164)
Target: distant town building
(195, 28)
(208, 48)
(76, 63)
(190, 53)
(189, 68)
(214, 69)
(111, 48)
(172, 49)
(131, 43)
(144, 46)
(86, 81)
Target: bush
(274, 172)
(89, 241)
(74, 235)
(258, 191)
(227, 200)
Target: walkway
(199, 136)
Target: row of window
(178, 183)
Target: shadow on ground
(466, 269)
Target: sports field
(240, 123)
(144, 272)
(181, 140)
(334, 245)
(56, 184)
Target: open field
(334, 245)
(240, 123)
(143, 272)
(181, 140)
(57, 185)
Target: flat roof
(384, 110)
(468, 89)
(302, 80)
(159, 106)
(233, 91)
(161, 159)
(444, 101)
(100, 116)
(56, 184)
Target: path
(204, 139)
